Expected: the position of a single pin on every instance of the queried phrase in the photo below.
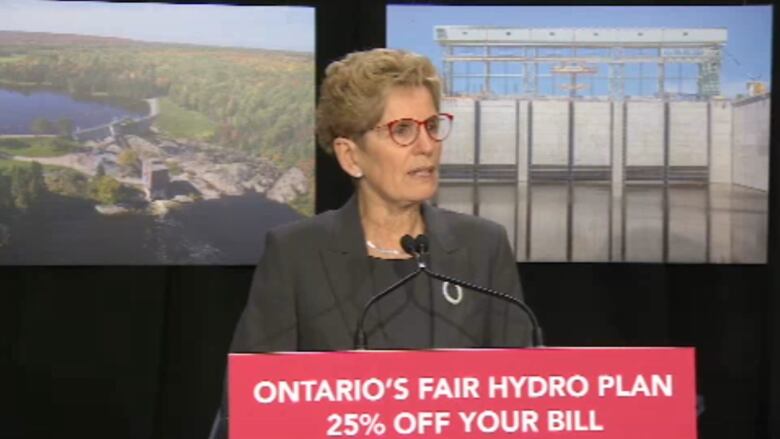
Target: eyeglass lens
(406, 130)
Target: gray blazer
(314, 280)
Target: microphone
(421, 246)
(409, 245)
(418, 247)
(412, 246)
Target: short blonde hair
(354, 91)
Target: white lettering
(401, 391)
(448, 388)
(270, 394)
(504, 421)
(624, 387)
(534, 386)
(572, 420)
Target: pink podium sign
(591, 393)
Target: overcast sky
(263, 27)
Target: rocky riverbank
(197, 169)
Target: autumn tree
(105, 190)
(27, 185)
(129, 161)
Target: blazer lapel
(449, 257)
(346, 262)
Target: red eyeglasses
(405, 131)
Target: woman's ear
(346, 151)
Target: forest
(20, 186)
(259, 101)
(24, 185)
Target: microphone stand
(360, 334)
(418, 247)
(410, 246)
(421, 248)
(537, 339)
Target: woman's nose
(425, 143)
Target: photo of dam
(599, 141)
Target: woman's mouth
(423, 171)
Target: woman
(379, 115)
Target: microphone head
(422, 244)
(408, 244)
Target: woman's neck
(384, 224)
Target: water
(591, 222)
(68, 231)
(19, 109)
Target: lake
(18, 109)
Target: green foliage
(37, 147)
(180, 122)
(67, 182)
(9, 57)
(129, 161)
(6, 197)
(10, 144)
(106, 190)
(7, 165)
(62, 145)
(22, 185)
(257, 101)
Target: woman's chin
(423, 194)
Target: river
(18, 109)
(68, 231)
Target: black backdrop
(138, 352)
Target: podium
(588, 393)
